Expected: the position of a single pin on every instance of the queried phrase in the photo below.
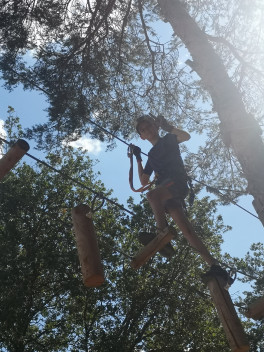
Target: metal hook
(130, 150)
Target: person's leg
(157, 198)
(185, 226)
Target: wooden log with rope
(227, 314)
(87, 246)
(12, 157)
(256, 309)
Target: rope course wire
(98, 194)
(104, 198)
(216, 191)
(208, 188)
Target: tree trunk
(239, 129)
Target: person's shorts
(178, 189)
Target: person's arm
(182, 136)
(144, 178)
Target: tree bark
(239, 129)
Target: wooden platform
(256, 309)
(227, 314)
(152, 247)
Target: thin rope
(216, 191)
(239, 271)
(111, 134)
(106, 131)
(98, 194)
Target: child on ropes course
(164, 158)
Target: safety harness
(145, 188)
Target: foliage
(38, 260)
(44, 306)
(107, 61)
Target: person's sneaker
(145, 237)
(216, 270)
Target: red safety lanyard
(143, 188)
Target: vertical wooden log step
(227, 314)
(152, 248)
(14, 154)
(256, 309)
(87, 246)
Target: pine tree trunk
(239, 129)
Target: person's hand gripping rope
(137, 152)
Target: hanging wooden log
(227, 314)
(256, 309)
(87, 246)
(152, 248)
(14, 154)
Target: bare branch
(124, 25)
(152, 53)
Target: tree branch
(152, 53)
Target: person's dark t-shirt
(164, 158)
